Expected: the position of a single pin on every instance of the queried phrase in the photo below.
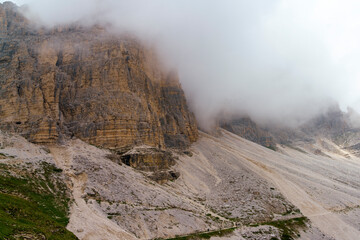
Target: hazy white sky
(277, 61)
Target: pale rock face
(107, 90)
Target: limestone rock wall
(248, 129)
(107, 90)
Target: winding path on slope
(85, 221)
(325, 220)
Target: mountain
(97, 142)
(335, 125)
(248, 129)
(73, 81)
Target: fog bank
(276, 61)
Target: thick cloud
(277, 61)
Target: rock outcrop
(148, 159)
(107, 90)
(248, 129)
(335, 125)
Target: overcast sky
(277, 61)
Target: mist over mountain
(98, 139)
(275, 61)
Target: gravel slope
(227, 181)
(324, 187)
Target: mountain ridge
(76, 81)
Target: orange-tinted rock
(109, 91)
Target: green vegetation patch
(34, 204)
(289, 228)
(4, 156)
(205, 235)
(271, 147)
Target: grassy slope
(205, 235)
(33, 204)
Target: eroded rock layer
(107, 90)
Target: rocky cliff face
(248, 129)
(71, 81)
(334, 125)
